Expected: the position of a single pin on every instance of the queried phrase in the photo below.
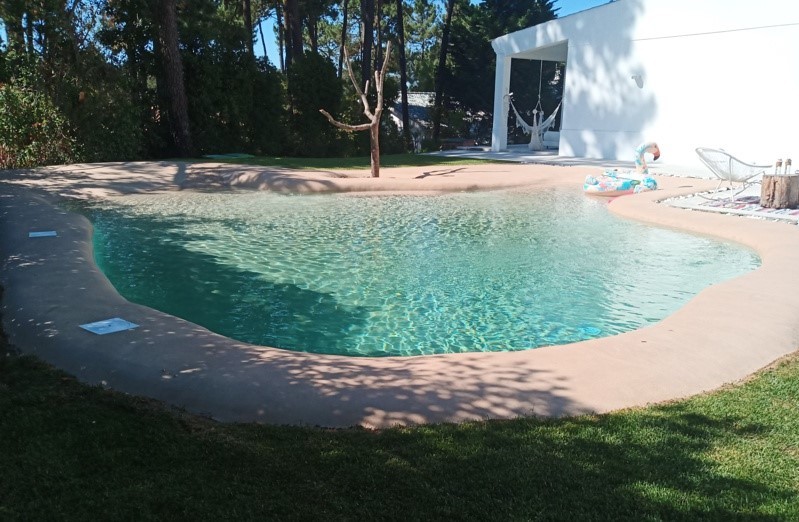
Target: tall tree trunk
(16, 36)
(367, 38)
(281, 35)
(293, 24)
(438, 108)
(29, 32)
(261, 32)
(406, 125)
(379, 30)
(249, 25)
(344, 28)
(173, 75)
(12, 13)
(313, 34)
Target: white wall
(714, 73)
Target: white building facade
(683, 73)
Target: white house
(684, 73)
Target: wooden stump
(780, 191)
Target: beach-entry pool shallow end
(402, 275)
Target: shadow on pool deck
(52, 286)
(106, 179)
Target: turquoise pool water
(402, 275)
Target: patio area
(747, 203)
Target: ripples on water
(402, 275)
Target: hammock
(537, 129)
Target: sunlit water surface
(402, 275)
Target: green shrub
(108, 124)
(32, 130)
(314, 85)
(267, 134)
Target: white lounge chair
(728, 168)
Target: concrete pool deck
(51, 285)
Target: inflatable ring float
(610, 184)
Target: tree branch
(363, 94)
(374, 116)
(382, 78)
(345, 126)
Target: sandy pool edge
(724, 334)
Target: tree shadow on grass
(653, 464)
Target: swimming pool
(402, 275)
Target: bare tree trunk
(249, 25)
(406, 124)
(345, 13)
(374, 116)
(374, 147)
(173, 75)
(779, 191)
(438, 108)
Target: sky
(566, 7)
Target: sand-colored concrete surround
(52, 285)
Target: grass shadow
(692, 460)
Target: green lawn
(362, 162)
(75, 452)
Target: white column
(499, 132)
